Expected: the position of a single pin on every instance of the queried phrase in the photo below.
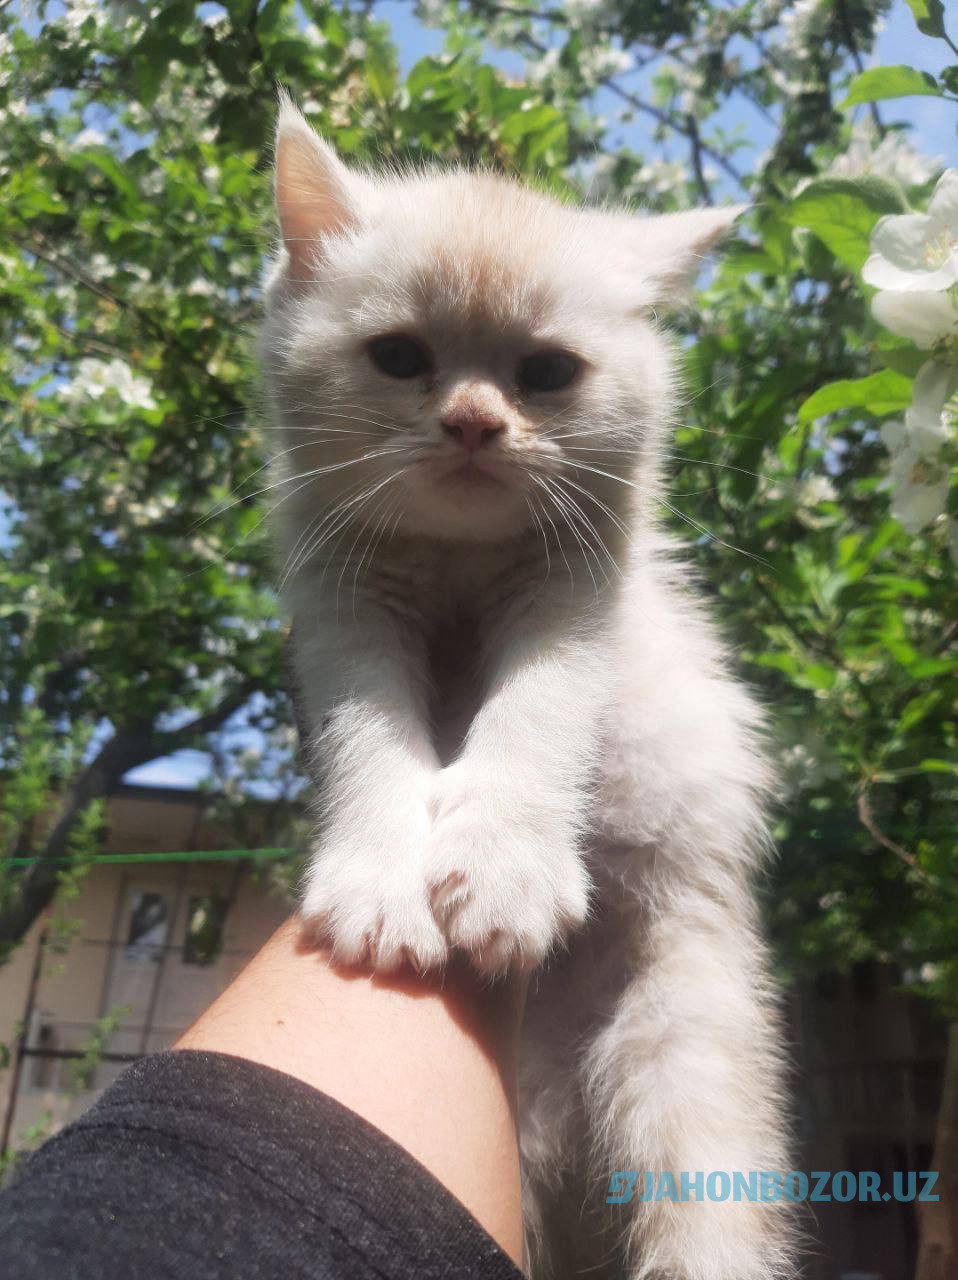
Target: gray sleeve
(201, 1166)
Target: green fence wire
(197, 855)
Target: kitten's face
(459, 357)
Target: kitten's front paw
(373, 914)
(503, 891)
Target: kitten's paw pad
(383, 926)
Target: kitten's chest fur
(451, 599)
(456, 679)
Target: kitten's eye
(547, 371)
(398, 356)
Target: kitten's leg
(507, 875)
(563, 1204)
(685, 1074)
(375, 763)
(686, 1077)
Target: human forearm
(429, 1061)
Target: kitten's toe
(495, 945)
(382, 927)
(417, 944)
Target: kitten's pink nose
(472, 427)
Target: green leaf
(891, 82)
(519, 123)
(905, 359)
(881, 393)
(843, 211)
(380, 74)
(111, 169)
(938, 766)
(929, 16)
(335, 31)
(426, 74)
(917, 709)
(142, 450)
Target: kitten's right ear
(316, 195)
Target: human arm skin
(430, 1061)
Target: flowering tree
(813, 472)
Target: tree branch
(695, 143)
(867, 820)
(671, 122)
(134, 745)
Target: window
(204, 928)
(148, 928)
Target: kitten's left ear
(669, 249)
(317, 197)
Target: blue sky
(934, 134)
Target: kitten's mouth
(469, 476)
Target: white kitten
(522, 723)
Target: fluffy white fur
(526, 737)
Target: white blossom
(543, 67)
(816, 489)
(766, 12)
(100, 267)
(77, 12)
(927, 319)
(689, 83)
(807, 767)
(430, 12)
(662, 176)
(828, 901)
(914, 265)
(919, 471)
(606, 61)
(805, 20)
(790, 66)
(97, 378)
(153, 182)
(918, 252)
(88, 138)
(583, 12)
(890, 157)
(144, 513)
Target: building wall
(129, 952)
